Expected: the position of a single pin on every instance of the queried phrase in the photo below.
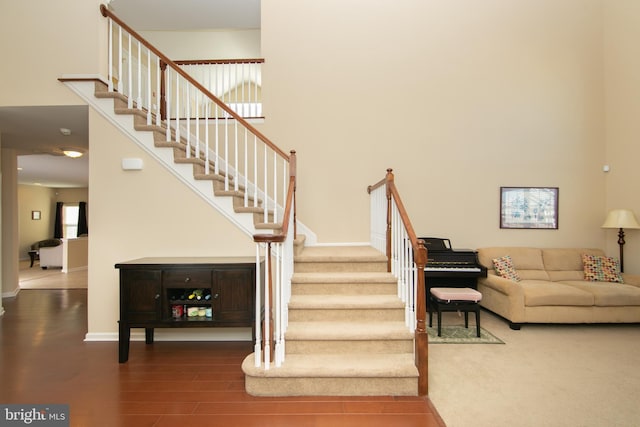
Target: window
(70, 221)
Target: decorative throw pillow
(504, 268)
(601, 269)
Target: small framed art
(529, 207)
(35, 215)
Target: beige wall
(220, 44)
(43, 40)
(622, 65)
(459, 98)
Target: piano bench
(455, 299)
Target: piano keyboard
(456, 269)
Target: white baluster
(110, 58)
(275, 187)
(168, 102)
(267, 311)
(207, 107)
(188, 116)
(257, 349)
(129, 75)
(236, 183)
(158, 76)
(149, 105)
(197, 105)
(217, 162)
(226, 151)
(278, 305)
(139, 100)
(120, 59)
(266, 192)
(255, 171)
(177, 107)
(246, 168)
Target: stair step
(340, 258)
(343, 283)
(348, 337)
(359, 374)
(345, 308)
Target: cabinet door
(233, 295)
(140, 296)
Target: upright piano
(448, 267)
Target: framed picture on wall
(35, 215)
(529, 207)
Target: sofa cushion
(601, 269)
(608, 294)
(526, 261)
(542, 292)
(566, 263)
(504, 268)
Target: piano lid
(436, 243)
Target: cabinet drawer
(186, 278)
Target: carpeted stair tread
(342, 331)
(345, 302)
(343, 277)
(337, 366)
(340, 254)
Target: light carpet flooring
(543, 376)
(51, 278)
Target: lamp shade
(620, 218)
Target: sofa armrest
(631, 279)
(502, 285)
(503, 296)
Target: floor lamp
(620, 219)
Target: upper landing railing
(237, 82)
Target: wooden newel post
(389, 183)
(421, 337)
(162, 97)
(293, 164)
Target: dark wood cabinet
(184, 292)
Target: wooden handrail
(219, 61)
(378, 184)
(107, 13)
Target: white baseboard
(11, 294)
(169, 334)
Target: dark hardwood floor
(44, 360)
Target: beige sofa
(553, 289)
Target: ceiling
(34, 132)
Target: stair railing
(237, 82)
(192, 117)
(393, 234)
(277, 287)
(217, 137)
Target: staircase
(346, 333)
(345, 326)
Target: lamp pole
(621, 243)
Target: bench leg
(478, 322)
(439, 322)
